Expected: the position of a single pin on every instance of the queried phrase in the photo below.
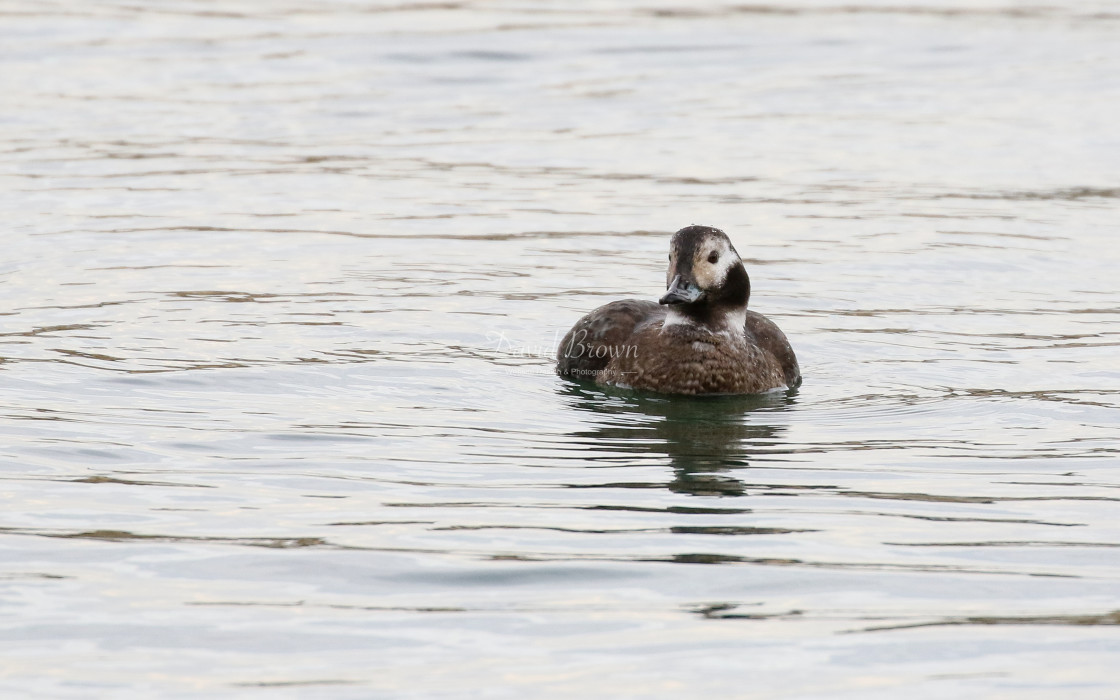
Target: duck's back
(602, 334)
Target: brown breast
(687, 359)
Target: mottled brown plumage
(700, 340)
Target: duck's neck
(728, 320)
(722, 312)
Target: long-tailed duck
(699, 339)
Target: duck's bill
(681, 292)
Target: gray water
(282, 282)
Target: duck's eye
(713, 256)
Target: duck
(699, 338)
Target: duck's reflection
(706, 439)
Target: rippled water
(282, 282)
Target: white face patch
(708, 274)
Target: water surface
(283, 282)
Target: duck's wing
(600, 335)
(773, 340)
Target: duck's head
(706, 277)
